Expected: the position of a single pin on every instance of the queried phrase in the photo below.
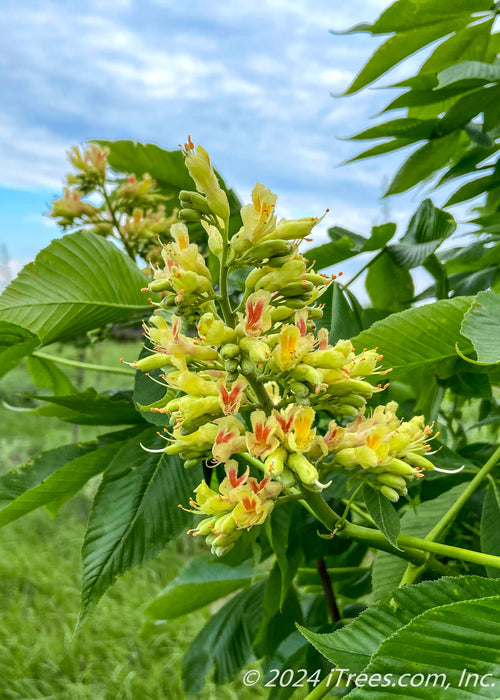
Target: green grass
(119, 654)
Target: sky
(251, 82)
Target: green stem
(326, 685)
(227, 312)
(83, 365)
(260, 392)
(116, 224)
(412, 572)
(365, 267)
(440, 528)
(413, 548)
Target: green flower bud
(189, 215)
(299, 389)
(156, 361)
(194, 200)
(418, 461)
(295, 289)
(247, 366)
(389, 493)
(206, 526)
(287, 478)
(347, 410)
(306, 471)
(232, 376)
(190, 463)
(393, 480)
(277, 260)
(231, 366)
(229, 351)
(275, 463)
(269, 249)
(397, 466)
(160, 285)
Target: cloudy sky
(250, 81)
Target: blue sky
(250, 81)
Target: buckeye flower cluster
(254, 384)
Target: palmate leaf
(15, 343)
(406, 13)
(202, 581)
(226, 640)
(79, 282)
(389, 285)
(47, 375)
(481, 324)
(424, 162)
(400, 46)
(135, 513)
(469, 71)
(450, 641)
(90, 408)
(428, 228)
(419, 344)
(52, 476)
(353, 646)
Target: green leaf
(436, 268)
(78, 283)
(340, 315)
(380, 149)
(428, 228)
(481, 325)
(380, 235)
(424, 162)
(47, 375)
(54, 475)
(225, 641)
(469, 72)
(383, 513)
(470, 43)
(449, 641)
(490, 530)
(167, 168)
(353, 646)
(15, 343)
(200, 582)
(331, 253)
(419, 343)
(278, 528)
(414, 129)
(468, 107)
(388, 569)
(404, 14)
(398, 47)
(389, 286)
(135, 514)
(90, 408)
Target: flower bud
(194, 200)
(393, 480)
(299, 464)
(389, 493)
(275, 462)
(229, 351)
(188, 215)
(156, 361)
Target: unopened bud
(194, 200)
(155, 361)
(229, 351)
(306, 471)
(389, 493)
(188, 215)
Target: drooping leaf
(490, 525)
(415, 129)
(470, 72)
(383, 513)
(389, 285)
(474, 188)
(380, 149)
(419, 343)
(428, 228)
(353, 646)
(403, 14)
(54, 475)
(481, 324)
(398, 47)
(331, 253)
(47, 375)
(79, 282)
(202, 581)
(90, 408)
(424, 162)
(340, 315)
(380, 235)
(15, 343)
(135, 514)
(226, 640)
(445, 641)
(388, 569)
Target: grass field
(118, 655)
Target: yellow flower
(302, 435)
(262, 441)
